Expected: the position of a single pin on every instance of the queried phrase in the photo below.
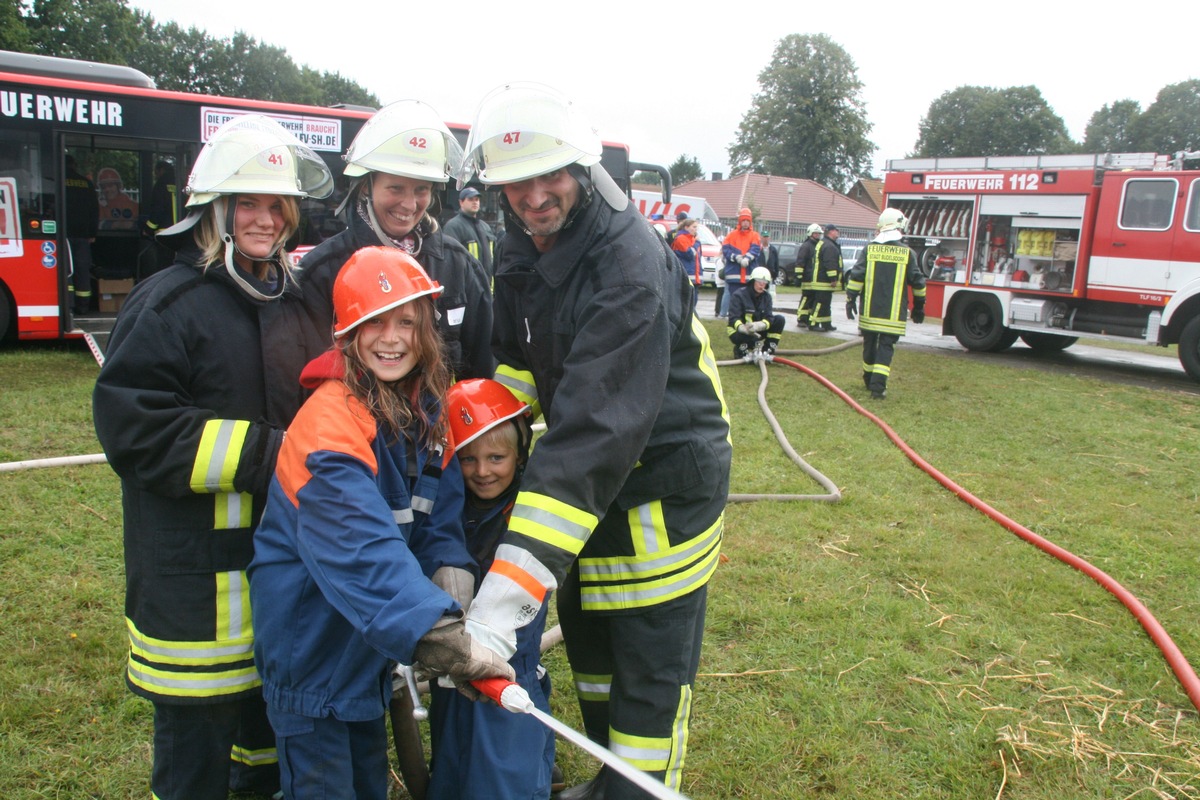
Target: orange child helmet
(475, 406)
(375, 280)
(745, 214)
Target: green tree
(685, 168)
(808, 119)
(1172, 122)
(94, 30)
(982, 121)
(14, 32)
(1111, 129)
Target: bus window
(20, 161)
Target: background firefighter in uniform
(191, 415)
(472, 232)
(621, 504)
(885, 269)
(395, 161)
(479, 749)
(751, 316)
(827, 278)
(687, 250)
(362, 527)
(806, 257)
(739, 251)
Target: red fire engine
(1051, 249)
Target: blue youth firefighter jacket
(340, 581)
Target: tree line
(808, 120)
(109, 31)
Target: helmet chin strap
(224, 212)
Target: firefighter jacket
(465, 304)
(475, 235)
(746, 305)
(631, 477)
(806, 257)
(740, 243)
(882, 275)
(357, 522)
(191, 417)
(827, 262)
(82, 206)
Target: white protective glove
(456, 582)
(760, 326)
(744, 260)
(502, 604)
(744, 329)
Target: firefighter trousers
(822, 307)
(202, 751)
(634, 670)
(878, 349)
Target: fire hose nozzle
(507, 694)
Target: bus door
(29, 259)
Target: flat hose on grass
(1175, 659)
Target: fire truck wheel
(978, 326)
(1048, 342)
(1189, 348)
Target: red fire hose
(1175, 659)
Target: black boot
(592, 790)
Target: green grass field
(897, 644)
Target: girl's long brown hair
(399, 405)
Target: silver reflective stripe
(517, 386)
(422, 504)
(626, 596)
(220, 451)
(633, 568)
(231, 652)
(555, 522)
(656, 755)
(403, 516)
(592, 687)
(239, 614)
(194, 680)
(645, 517)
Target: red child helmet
(475, 406)
(375, 280)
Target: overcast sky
(672, 78)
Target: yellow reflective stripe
(643, 567)
(649, 528)
(649, 593)
(878, 369)
(218, 455)
(163, 651)
(233, 606)
(647, 753)
(193, 684)
(545, 519)
(679, 737)
(254, 758)
(232, 510)
(521, 384)
(595, 688)
(708, 365)
(473, 249)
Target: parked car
(850, 250)
(789, 253)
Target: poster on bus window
(10, 219)
(319, 133)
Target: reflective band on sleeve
(218, 455)
(527, 582)
(520, 383)
(403, 516)
(551, 521)
(708, 365)
(423, 504)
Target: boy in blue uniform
(479, 749)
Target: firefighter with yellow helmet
(399, 164)
(621, 504)
(191, 418)
(886, 270)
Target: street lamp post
(791, 187)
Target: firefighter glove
(918, 315)
(744, 329)
(850, 309)
(456, 582)
(744, 260)
(449, 650)
(760, 326)
(503, 603)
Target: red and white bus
(117, 128)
